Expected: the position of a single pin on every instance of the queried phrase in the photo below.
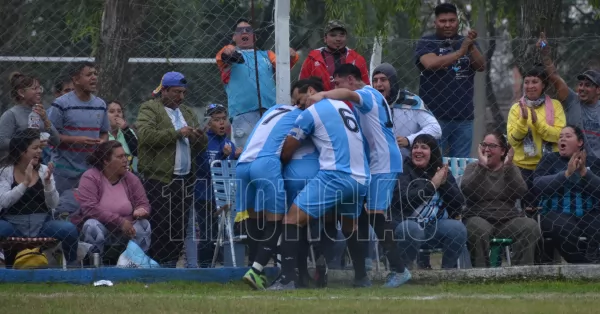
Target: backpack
(30, 259)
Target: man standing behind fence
(169, 139)
(323, 61)
(239, 71)
(582, 107)
(80, 118)
(448, 62)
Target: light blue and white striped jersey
(269, 133)
(306, 151)
(335, 132)
(375, 119)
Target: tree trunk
(120, 28)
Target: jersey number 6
(349, 120)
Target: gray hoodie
(410, 114)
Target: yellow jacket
(517, 130)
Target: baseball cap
(591, 75)
(214, 108)
(173, 79)
(334, 24)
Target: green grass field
(530, 297)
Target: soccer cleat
(278, 286)
(365, 282)
(321, 272)
(395, 280)
(254, 280)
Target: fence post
(282, 50)
(480, 89)
(375, 56)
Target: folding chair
(224, 187)
(22, 243)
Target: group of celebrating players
(321, 160)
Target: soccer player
(304, 166)
(340, 184)
(260, 189)
(385, 160)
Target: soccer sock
(254, 234)
(391, 249)
(329, 235)
(289, 253)
(302, 263)
(314, 238)
(364, 234)
(267, 245)
(358, 254)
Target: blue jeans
(457, 138)
(449, 234)
(63, 231)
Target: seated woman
(114, 205)
(121, 132)
(568, 185)
(430, 204)
(28, 195)
(534, 124)
(491, 189)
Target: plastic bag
(134, 257)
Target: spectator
(491, 189)
(28, 195)
(169, 136)
(80, 118)
(534, 124)
(582, 107)
(219, 147)
(567, 183)
(63, 85)
(26, 92)
(113, 202)
(430, 204)
(120, 131)
(238, 73)
(447, 62)
(409, 113)
(323, 61)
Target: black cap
(591, 75)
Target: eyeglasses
(244, 29)
(488, 145)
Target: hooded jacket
(410, 114)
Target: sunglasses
(244, 29)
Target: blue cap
(173, 79)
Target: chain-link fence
(492, 210)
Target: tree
(119, 31)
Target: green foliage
(84, 21)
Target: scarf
(547, 101)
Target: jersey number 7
(275, 113)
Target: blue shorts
(260, 186)
(381, 191)
(296, 175)
(332, 190)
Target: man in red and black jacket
(323, 61)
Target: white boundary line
(275, 297)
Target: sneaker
(278, 286)
(321, 272)
(395, 280)
(254, 280)
(365, 282)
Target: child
(201, 230)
